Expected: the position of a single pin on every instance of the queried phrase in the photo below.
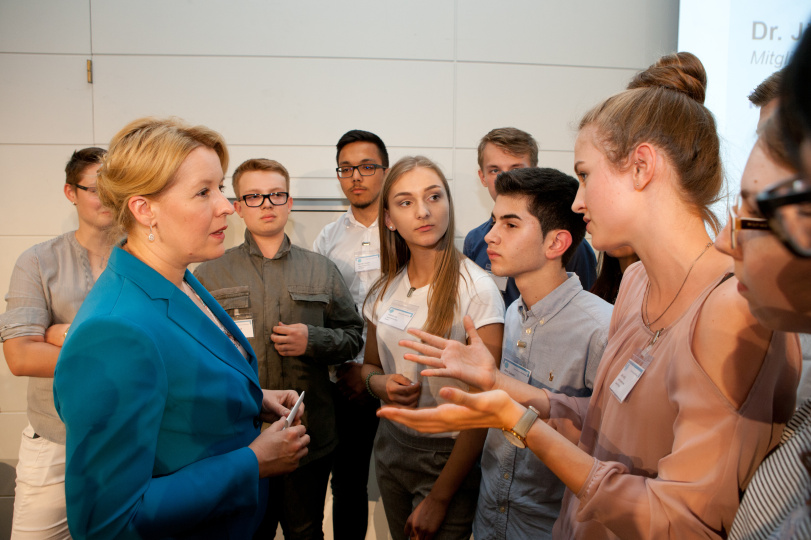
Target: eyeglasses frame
(92, 190)
(266, 197)
(738, 223)
(769, 200)
(354, 168)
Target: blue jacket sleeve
(111, 390)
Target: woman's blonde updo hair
(664, 106)
(143, 159)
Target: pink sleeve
(694, 493)
(566, 414)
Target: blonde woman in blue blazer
(156, 385)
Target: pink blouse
(672, 460)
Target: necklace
(645, 318)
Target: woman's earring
(151, 236)
(391, 227)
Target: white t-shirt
(479, 297)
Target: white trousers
(39, 497)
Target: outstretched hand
(472, 364)
(465, 410)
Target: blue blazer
(159, 407)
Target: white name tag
(398, 315)
(517, 372)
(630, 375)
(367, 261)
(246, 325)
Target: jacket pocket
(308, 305)
(234, 300)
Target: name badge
(399, 315)
(517, 372)
(367, 261)
(246, 325)
(630, 375)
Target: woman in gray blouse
(48, 284)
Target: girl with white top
(429, 484)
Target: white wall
(285, 80)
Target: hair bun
(682, 72)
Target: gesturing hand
(472, 364)
(290, 339)
(493, 409)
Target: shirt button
(506, 476)
(502, 509)
(257, 422)
(528, 330)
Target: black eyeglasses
(92, 190)
(367, 169)
(787, 208)
(253, 200)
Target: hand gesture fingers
(464, 411)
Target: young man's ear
(557, 242)
(481, 178)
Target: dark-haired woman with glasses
(48, 285)
(772, 263)
(769, 237)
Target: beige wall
(285, 80)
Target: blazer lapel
(197, 324)
(187, 315)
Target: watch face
(510, 436)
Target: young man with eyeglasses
(353, 244)
(299, 316)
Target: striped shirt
(774, 505)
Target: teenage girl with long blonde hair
(429, 483)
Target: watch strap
(522, 427)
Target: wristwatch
(518, 434)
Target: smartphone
(293, 411)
